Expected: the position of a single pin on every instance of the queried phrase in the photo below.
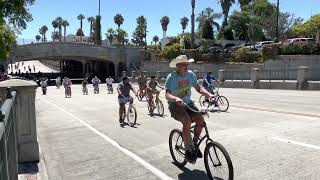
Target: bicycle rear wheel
(160, 107)
(132, 115)
(223, 103)
(218, 162)
(204, 102)
(177, 149)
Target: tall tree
(155, 39)
(207, 30)
(111, 34)
(55, 36)
(139, 34)
(165, 20)
(55, 25)
(244, 3)
(38, 37)
(59, 21)
(208, 14)
(118, 19)
(81, 17)
(44, 30)
(184, 23)
(91, 21)
(64, 23)
(121, 36)
(193, 4)
(226, 5)
(97, 30)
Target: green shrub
(244, 55)
(270, 51)
(204, 46)
(300, 49)
(172, 51)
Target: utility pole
(99, 8)
(277, 27)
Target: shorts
(109, 85)
(142, 86)
(179, 112)
(151, 92)
(124, 100)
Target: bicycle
(130, 112)
(221, 102)
(96, 88)
(110, 89)
(142, 95)
(67, 92)
(214, 161)
(157, 103)
(85, 90)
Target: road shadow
(125, 125)
(187, 174)
(155, 115)
(28, 168)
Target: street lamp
(277, 27)
(99, 8)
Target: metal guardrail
(279, 74)
(237, 75)
(313, 75)
(8, 139)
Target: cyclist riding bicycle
(178, 91)
(142, 82)
(84, 85)
(65, 82)
(208, 82)
(58, 82)
(109, 82)
(95, 81)
(124, 96)
(152, 89)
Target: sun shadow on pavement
(28, 168)
(187, 174)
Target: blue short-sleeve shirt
(180, 86)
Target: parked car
(259, 45)
(245, 45)
(300, 41)
(216, 48)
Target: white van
(300, 41)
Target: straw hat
(180, 59)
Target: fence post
(302, 81)
(25, 117)
(255, 78)
(221, 75)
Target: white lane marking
(145, 164)
(297, 143)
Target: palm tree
(55, 36)
(184, 23)
(165, 20)
(244, 3)
(193, 4)
(225, 5)
(121, 36)
(59, 21)
(110, 35)
(91, 21)
(55, 25)
(80, 17)
(38, 37)
(64, 23)
(118, 19)
(208, 14)
(43, 31)
(155, 39)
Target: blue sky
(44, 11)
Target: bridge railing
(8, 139)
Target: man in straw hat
(178, 91)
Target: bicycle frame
(206, 136)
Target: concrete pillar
(302, 81)
(28, 148)
(83, 68)
(221, 75)
(255, 77)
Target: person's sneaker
(190, 157)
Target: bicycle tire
(132, 121)
(203, 102)
(223, 100)
(183, 161)
(208, 156)
(160, 107)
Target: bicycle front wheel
(160, 107)
(223, 103)
(218, 162)
(177, 149)
(132, 116)
(204, 101)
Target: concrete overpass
(93, 58)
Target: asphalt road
(269, 134)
